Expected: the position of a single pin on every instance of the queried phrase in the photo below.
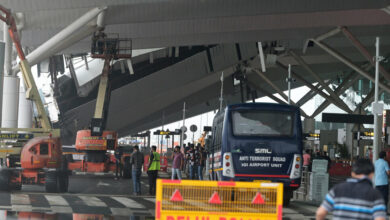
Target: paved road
(105, 196)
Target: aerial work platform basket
(208, 200)
(110, 45)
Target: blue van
(257, 142)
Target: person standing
(153, 168)
(355, 198)
(202, 162)
(137, 160)
(326, 157)
(177, 164)
(118, 163)
(191, 161)
(382, 171)
(197, 156)
(184, 150)
(370, 154)
(306, 158)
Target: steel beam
(340, 90)
(320, 81)
(366, 101)
(270, 95)
(364, 51)
(328, 34)
(347, 62)
(66, 37)
(265, 78)
(280, 92)
(344, 87)
(308, 84)
(322, 37)
(310, 94)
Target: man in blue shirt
(382, 171)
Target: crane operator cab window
(44, 149)
(34, 150)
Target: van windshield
(262, 123)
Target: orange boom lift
(41, 159)
(96, 141)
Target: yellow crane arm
(31, 90)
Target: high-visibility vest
(156, 162)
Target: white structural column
(10, 102)
(8, 51)
(183, 130)
(2, 52)
(377, 108)
(25, 109)
(289, 84)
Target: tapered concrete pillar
(25, 109)
(10, 102)
(309, 125)
(2, 51)
(349, 140)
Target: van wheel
(286, 201)
(51, 181)
(63, 181)
(4, 180)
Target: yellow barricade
(209, 200)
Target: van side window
(217, 133)
(44, 149)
